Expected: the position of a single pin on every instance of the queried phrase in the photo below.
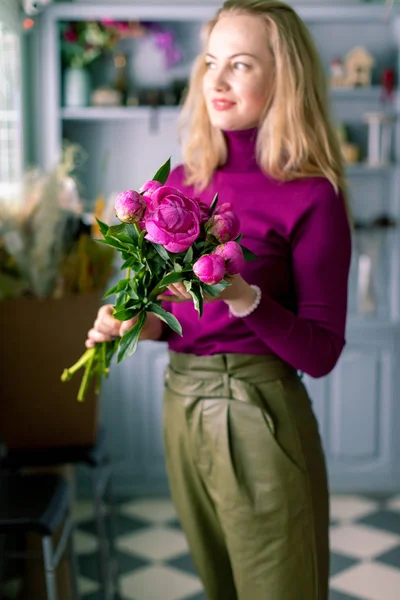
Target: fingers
(178, 289)
(126, 326)
(94, 337)
(105, 327)
(172, 298)
(105, 322)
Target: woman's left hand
(239, 293)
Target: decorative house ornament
(355, 71)
(358, 66)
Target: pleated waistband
(250, 368)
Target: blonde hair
(296, 138)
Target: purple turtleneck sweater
(300, 233)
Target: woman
(243, 452)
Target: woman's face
(239, 76)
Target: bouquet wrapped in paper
(164, 237)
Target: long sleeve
(312, 339)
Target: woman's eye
(240, 66)
(210, 65)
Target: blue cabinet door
(357, 412)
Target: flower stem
(86, 356)
(87, 375)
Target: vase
(37, 410)
(76, 87)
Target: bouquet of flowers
(164, 237)
(83, 41)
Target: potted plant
(52, 277)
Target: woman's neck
(241, 150)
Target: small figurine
(388, 85)
(105, 96)
(336, 68)
(358, 65)
(379, 138)
(350, 151)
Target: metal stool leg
(74, 567)
(101, 534)
(48, 556)
(113, 532)
(2, 561)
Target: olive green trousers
(247, 476)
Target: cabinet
(356, 404)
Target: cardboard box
(38, 339)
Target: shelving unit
(356, 405)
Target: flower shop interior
(90, 92)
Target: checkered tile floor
(155, 563)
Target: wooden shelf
(311, 12)
(373, 92)
(116, 113)
(363, 168)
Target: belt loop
(227, 385)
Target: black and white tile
(155, 563)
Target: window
(10, 112)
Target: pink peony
(204, 216)
(210, 268)
(149, 188)
(232, 253)
(172, 219)
(224, 224)
(129, 206)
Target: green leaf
(177, 267)
(165, 316)
(170, 278)
(129, 341)
(124, 314)
(248, 254)
(197, 295)
(114, 243)
(103, 227)
(213, 205)
(188, 258)
(123, 284)
(188, 285)
(133, 231)
(215, 290)
(163, 172)
(239, 237)
(161, 251)
(141, 239)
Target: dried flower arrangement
(46, 250)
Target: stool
(96, 461)
(39, 504)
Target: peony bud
(232, 253)
(210, 268)
(149, 188)
(129, 206)
(223, 225)
(204, 216)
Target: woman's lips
(222, 104)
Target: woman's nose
(220, 80)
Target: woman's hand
(239, 295)
(106, 327)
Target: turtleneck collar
(241, 146)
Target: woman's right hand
(106, 327)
